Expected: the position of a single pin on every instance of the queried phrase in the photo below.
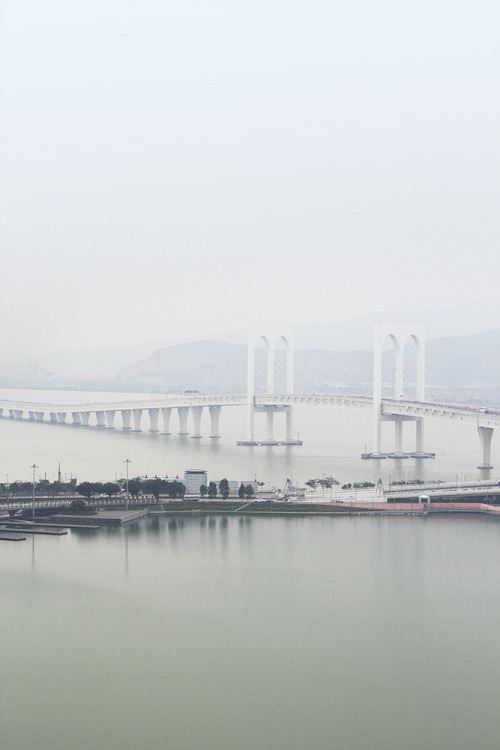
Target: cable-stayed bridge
(398, 407)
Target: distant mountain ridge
(216, 366)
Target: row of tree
(324, 482)
(244, 491)
(136, 487)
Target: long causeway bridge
(131, 413)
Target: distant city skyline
(175, 171)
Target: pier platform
(102, 518)
(269, 442)
(397, 455)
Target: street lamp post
(33, 466)
(127, 461)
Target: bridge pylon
(399, 334)
(271, 336)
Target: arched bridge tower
(271, 336)
(398, 334)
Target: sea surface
(238, 633)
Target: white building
(193, 479)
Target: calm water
(254, 634)
(333, 439)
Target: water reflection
(296, 620)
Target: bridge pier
(137, 414)
(126, 417)
(398, 436)
(110, 419)
(53, 417)
(165, 415)
(270, 423)
(61, 417)
(214, 420)
(39, 416)
(183, 412)
(153, 419)
(485, 435)
(289, 422)
(197, 411)
(101, 419)
(84, 418)
(419, 436)
(77, 420)
(31, 416)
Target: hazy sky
(176, 169)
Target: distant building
(193, 480)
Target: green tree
(78, 504)
(134, 486)
(249, 491)
(155, 486)
(212, 490)
(86, 489)
(175, 489)
(330, 482)
(203, 490)
(312, 483)
(110, 488)
(224, 488)
(241, 491)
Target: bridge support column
(77, 420)
(183, 412)
(137, 414)
(214, 421)
(289, 422)
(11, 414)
(126, 417)
(419, 436)
(485, 435)
(101, 419)
(110, 419)
(197, 411)
(61, 417)
(53, 417)
(165, 415)
(39, 416)
(398, 435)
(153, 419)
(31, 416)
(84, 418)
(270, 423)
(18, 413)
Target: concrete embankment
(327, 508)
